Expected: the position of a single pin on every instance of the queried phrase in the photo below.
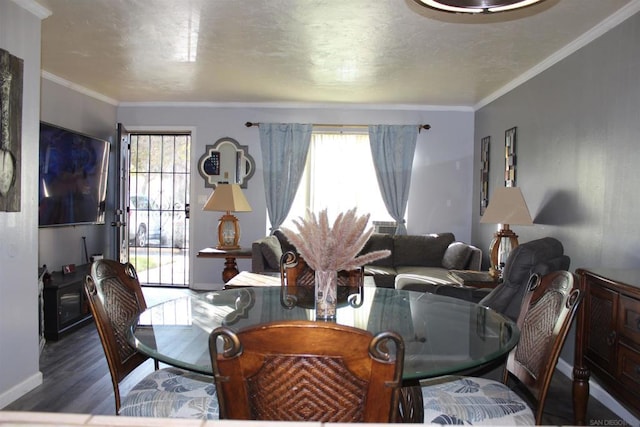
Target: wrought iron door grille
(159, 178)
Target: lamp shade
(227, 198)
(507, 206)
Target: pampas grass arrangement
(333, 248)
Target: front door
(155, 189)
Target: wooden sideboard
(608, 338)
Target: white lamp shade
(227, 198)
(507, 206)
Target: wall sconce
(507, 206)
(228, 198)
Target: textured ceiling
(304, 51)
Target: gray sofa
(429, 257)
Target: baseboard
(19, 390)
(597, 392)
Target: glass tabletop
(442, 335)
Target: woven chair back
(547, 312)
(297, 281)
(307, 371)
(115, 298)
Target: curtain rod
(420, 127)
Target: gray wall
(19, 364)
(73, 110)
(578, 125)
(440, 196)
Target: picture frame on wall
(484, 173)
(11, 80)
(510, 158)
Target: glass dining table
(442, 335)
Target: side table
(474, 279)
(230, 266)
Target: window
(338, 176)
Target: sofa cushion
(285, 244)
(433, 275)
(379, 242)
(271, 251)
(456, 257)
(424, 251)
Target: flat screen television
(73, 177)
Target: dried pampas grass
(336, 247)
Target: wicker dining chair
(307, 371)
(548, 309)
(115, 298)
(297, 281)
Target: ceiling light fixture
(476, 6)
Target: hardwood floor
(76, 379)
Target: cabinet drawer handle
(611, 338)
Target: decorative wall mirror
(226, 161)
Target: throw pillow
(285, 244)
(271, 251)
(456, 257)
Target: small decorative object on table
(329, 249)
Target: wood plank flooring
(76, 379)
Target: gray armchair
(540, 256)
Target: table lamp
(227, 198)
(507, 206)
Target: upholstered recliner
(541, 256)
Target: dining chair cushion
(470, 400)
(172, 393)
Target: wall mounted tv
(73, 177)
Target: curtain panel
(284, 153)
(392, 149)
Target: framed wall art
(510, 159)
(11, 71)
(484, 173)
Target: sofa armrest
(257, 260)
(462, 256)
(475, 260)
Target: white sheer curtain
(339, 175)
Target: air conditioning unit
(384, 227)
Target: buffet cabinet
(65, 305)
(608, 338)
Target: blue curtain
(284, 153)
(392, 149)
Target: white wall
(442, 181)
(19, 347)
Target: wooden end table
(230, 265)
(474, 279)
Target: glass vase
(326, 294)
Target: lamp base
(228, 233)
(494, 250)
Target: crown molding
(83, 90)
(36, 8)
(302, 105)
